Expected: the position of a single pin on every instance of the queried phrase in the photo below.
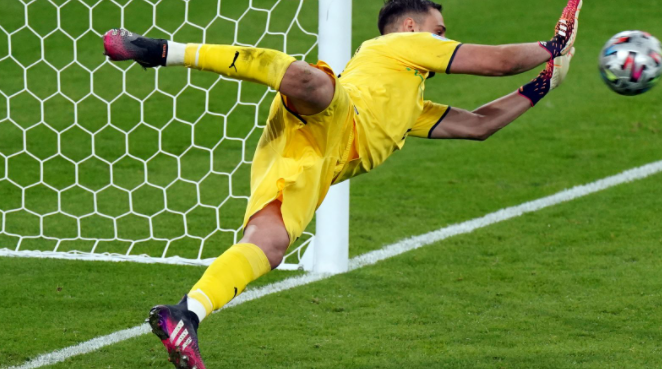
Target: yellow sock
(251, 64)
(228, 276)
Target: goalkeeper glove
(566, 30)
(550, 78)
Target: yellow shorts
(299, 156)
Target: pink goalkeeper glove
(566, 30)
(550, 78)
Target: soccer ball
(631, 62)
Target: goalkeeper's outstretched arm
(518, 58)
(485, 121)
(497, 61)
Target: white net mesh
(110, 162)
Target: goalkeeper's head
(411, 16)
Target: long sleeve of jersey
(423, 51)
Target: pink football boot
(177, 329)
(120, 45)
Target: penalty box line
(369, 258)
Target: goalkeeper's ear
(561, 68)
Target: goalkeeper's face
(431, 21)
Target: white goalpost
(107, 162)
(331, 244)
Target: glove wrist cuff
(535, 90)
(553, 46)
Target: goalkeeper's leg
(259, 251)
(308, 89)
(266, 238)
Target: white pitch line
(106, 256)
(369, 258)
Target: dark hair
(394, 9)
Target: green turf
(573, 286)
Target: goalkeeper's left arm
(484, 60)
(485, 121)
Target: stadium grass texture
(574, 286)
(569, 287)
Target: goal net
(105, 161)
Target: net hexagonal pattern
(109, 161)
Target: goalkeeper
(324, 129)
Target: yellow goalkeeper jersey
(386, 82)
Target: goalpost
(331, 248)
(103, 161)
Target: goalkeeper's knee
(310, 89)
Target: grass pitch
(576, 286)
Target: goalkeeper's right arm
(506, 60)
(485, 121)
